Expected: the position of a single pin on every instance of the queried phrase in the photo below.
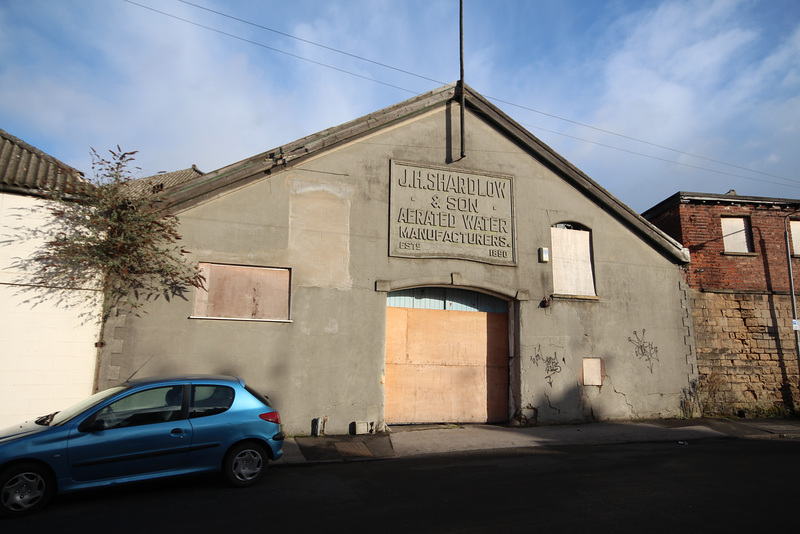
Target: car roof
(144, 381)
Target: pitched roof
(24, 169)
(286, 156)
(159, 182)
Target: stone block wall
(746, 355)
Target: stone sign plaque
(450, 213)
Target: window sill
(740, 254)
(561, 296)
(241, 319)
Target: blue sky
(631, 92)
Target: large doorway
(446, 357)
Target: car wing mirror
(92, 425)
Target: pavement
(419, 440)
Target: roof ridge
(290, 154)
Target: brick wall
(746, 354)
(712, 269)
(741, 303)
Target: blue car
(146, 429)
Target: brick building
(741, 297)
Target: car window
(65, 415)
(147, 407)
(263, 398)
(210, 400)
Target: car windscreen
(76, 409)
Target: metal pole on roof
(791, 283)
(461, 82)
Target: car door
(144, 432)
(212, 424)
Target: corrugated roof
(24, 169)
(160, 182)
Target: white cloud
(712, 78)
(691, 76)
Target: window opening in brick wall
(572, 260)
(737, 235)
(243, 293)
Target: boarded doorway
(446, 357)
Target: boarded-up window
(239, 292)
(794, 227)
(572, 261)
(736, 235)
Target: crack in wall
(623, 395)
(554, 409)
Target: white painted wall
(47, 352)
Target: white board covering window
(244, 293)
(572, 261)
(794, 228)
(736, 234)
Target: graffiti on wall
(551, 365)
(645, 350)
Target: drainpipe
(791, 282)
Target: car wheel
(25, 488)
(245, 464)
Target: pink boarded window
(244, 293)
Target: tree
(115, 238)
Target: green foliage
(115, 239)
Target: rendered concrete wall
(327, 220)
(47, 359)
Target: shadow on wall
(39, 278)
(266, 379)
(786, 395)
(557, 393)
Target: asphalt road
(722, 485)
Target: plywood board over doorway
(446, 366)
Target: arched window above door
(446, 298)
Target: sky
(646, 97)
